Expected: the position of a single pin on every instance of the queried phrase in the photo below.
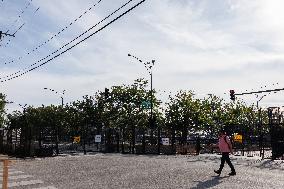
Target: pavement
(123, 171)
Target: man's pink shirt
(223, 145)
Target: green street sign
(146, 105)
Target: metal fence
(52, 141)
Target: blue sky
(206, 46)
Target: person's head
(222, 132)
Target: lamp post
(56, 92)
(261, 151)
(57, 127)
(25, 144)
(148, 66)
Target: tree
(182, 113)
(2, 109)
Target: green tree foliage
(120, 109)
(182, 113)
(2, 109)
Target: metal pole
(151, 98)
(57, 126)
(62, 101)
(260, 138)
(5, 174)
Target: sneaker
(217, 172)
(232, 173)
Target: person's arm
(229, 144)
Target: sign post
(5, 173)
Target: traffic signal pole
(233, 94)
(263, 91)
(232, 97)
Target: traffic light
(232, 95)
(106, 92)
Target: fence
(51, 141)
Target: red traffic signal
(232, 95)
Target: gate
(276, 127)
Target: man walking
(225, 147)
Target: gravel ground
(142, 171)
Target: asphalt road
(132, 171)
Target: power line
(21, 26)
(6, 34)
(13, 34)
(106, 25)
(19, 29)
(20, 15)
(60, 31)
(69, 42)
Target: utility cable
(64, 28)
(18, 29)
(20, 15)
(103, 27)
(27, 68)
(21, 26)
(69, 42)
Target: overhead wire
(66, 50)
(16, 20)
(21, 13)
(18, 30)
(56, 34)
(69, 41)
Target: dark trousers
(225, 157)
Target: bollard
(5, 174)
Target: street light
(56, 92)
(259, 126)
(148, 66)
(57, 128)
(29, 130)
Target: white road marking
(19, 177)
(13, 173)
(24, 183)
(46, 187)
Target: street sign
(165, 141)
(146, 105)
(238, 138)
(77, 139)
(98, 138)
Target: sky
(209, 47)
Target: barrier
(5, 173)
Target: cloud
(207, 46)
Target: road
(142, 171)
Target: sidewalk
(243, 161)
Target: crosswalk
(18, 179)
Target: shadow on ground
(214, 181)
